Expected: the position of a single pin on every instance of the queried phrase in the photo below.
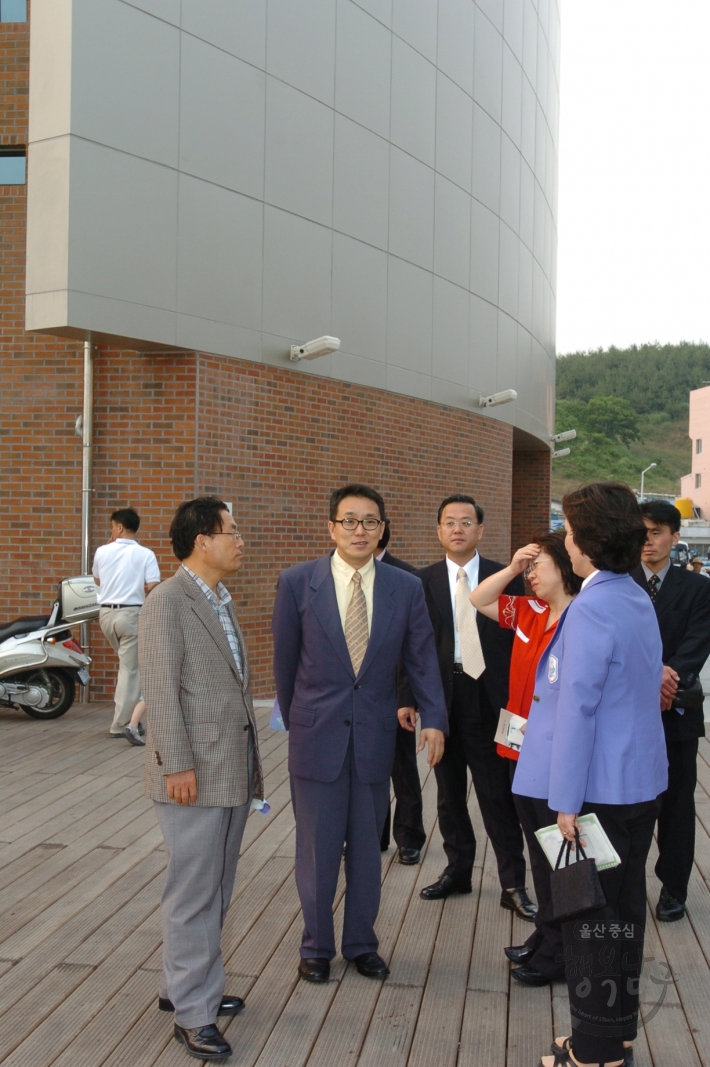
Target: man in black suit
(682, 603)
(474, 660)
(408, 826)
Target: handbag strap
(578, 846)
(578, 850)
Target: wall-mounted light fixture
(322, 346)
(494, 399)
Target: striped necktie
(356, 632)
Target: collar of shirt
(660, 574)
(224, 595)
(342, 578)
(380, 555)
(588, 579)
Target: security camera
(567, 435)
(322, 346)
(497, 398)
(561, 452)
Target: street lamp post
(643, 473)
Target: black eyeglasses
(369, 524)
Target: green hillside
(630, 409)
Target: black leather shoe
(408, 856)
(519, 953)
(529, 976)
(668, 909)
(314, 970)
(517, 900)
(203, 1042)
(443, 887)
(371, 965)
(228, 1005)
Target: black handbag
(575, 886)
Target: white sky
(634, 188)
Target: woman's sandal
(563, 1058)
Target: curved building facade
(210, 183)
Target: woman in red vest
(534, 619)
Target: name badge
(552, 670)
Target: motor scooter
(40, 662)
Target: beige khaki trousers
(120, 628)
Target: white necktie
(472, 659)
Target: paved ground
(80, 878)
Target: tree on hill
(652, 377)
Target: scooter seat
(25, 625)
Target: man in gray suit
(203, 764)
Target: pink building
(696, 485)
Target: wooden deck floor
(80, 879)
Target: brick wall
(531, 495)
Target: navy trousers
(330, 815)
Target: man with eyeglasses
(340, 626)
(474, 660)
(203, 766)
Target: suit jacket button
(247, 726)
(358, 687)
(347, 722)
(536, 699)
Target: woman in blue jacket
(594, 743)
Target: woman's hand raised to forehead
(524, 557)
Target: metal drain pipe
(87, 440)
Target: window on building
(698, 480)
(698, 445)
(13, 10)
(13, 166)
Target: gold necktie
(356, 632)
(472, 659)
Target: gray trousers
(120, 628)
(329, 815)
(203, 848)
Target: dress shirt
(343, 576)
(471, 569)
(660, 575)
(588, 579)
(123, 568)
(223, 614)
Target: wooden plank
(26, 863)
(38, 963)
(17, 1023)
(489, 966)
(389, 1037)
(292, 1038)
(483, 1031)
(529, 1024)
(34, 933)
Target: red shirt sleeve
(508, 612)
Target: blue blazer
(321, 700)
(595, 732)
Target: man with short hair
(203, 764)
(682, 603)
(407, 826)
(340, 626)
(474, 660)
(125, 572)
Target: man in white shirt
(125, 572)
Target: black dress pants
(408, 825)
(470, 745)
(676, 821)
(546, 938)
(603, 975)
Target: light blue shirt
(223, 614)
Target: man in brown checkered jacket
(202, 767)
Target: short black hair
(194, 517)
(661, 513)
(607, 525)
(127, 517)
(459, 498)
(355, 489)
